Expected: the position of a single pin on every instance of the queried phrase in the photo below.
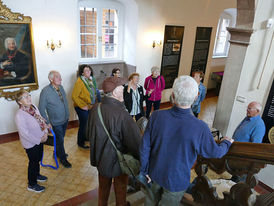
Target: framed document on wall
(171, 53)
(201, 48)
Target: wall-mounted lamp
(53, 45)
(154, 43)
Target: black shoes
(41, 178)
(65, 163)
(83, 146)
(36, 188)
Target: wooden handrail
(253, 151)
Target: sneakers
(41, 178)
(65, 163)
(36, 188)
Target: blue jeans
(162, 197)
(83, 118)
(60, 132)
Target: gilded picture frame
(17, 57)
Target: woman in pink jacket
(33, 131)
(154, 84)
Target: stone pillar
(239, 41)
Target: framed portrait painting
(17, 58)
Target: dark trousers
(156, 106)
(60, 132)
(83, 118)
(120, 189)
(137, 116)
(35, 155)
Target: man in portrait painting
(14, 64)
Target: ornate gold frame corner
(8, 17)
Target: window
(221, 43)
(100, 36)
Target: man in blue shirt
(196, 106)
(171, 142)
(252, 128)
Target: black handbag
(128, 164)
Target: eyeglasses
(25, 96)
(249, 109)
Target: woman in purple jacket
(154, 84)
(33, 131)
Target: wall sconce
(154, 43)
(52, 45)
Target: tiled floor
(63, 183)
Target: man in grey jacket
(53, 106)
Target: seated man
(252, 128)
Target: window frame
(100, 5)
(218, 34)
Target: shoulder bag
(128, 164)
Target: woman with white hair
(154, 84)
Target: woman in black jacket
(134, 97)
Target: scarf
(11, 54)
(90, 87)
(32, 111)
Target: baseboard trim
(10, 137)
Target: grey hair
(185, 90)
(155, 68)
(257, 105)
(8, 39)
(51, 74)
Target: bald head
(254, 109)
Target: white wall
(49, 21)
(155, 14)
(130, 31)
(144, 19)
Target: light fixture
(53, 45)
(154, 43)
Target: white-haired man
(252, 127)
(13, 62)
(53, 106)
(171, 142)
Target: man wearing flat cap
(123, 131)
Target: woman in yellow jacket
(84, 96)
